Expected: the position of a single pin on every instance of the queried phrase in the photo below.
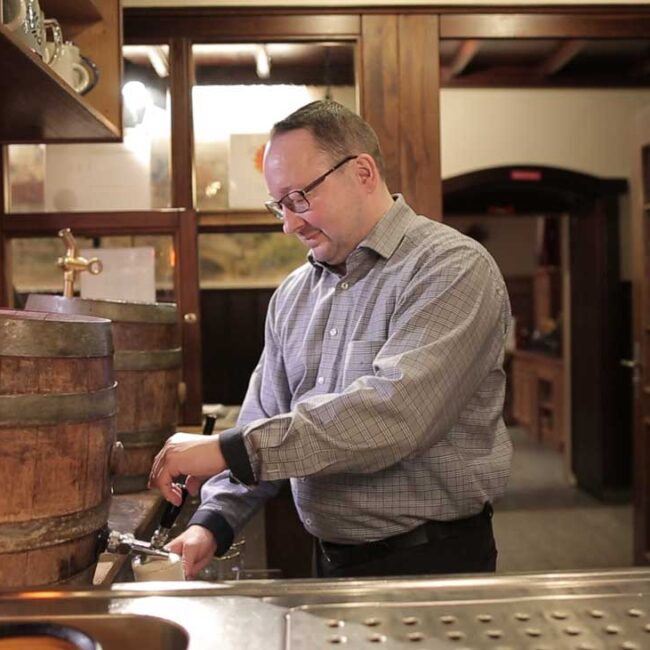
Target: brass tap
(73, 264)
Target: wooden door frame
(596, 376)
(186, 245)
(6, 297)
(641, 304)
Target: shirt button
(333, 331)
(321, 380)
(308, 521)
(344, 285)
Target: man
(380, 389)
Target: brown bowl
(44, 636)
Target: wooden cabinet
(538, 396)
(37, 106)
(523, 394)
(547, 295)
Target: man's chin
(318, 251)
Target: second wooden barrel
(147, 363)
(57, 430)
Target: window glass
(129, 175)
(233, 82)
(33, 262)
(247, 259)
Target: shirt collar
(389, 231)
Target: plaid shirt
(379, 393)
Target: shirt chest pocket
(359, 357)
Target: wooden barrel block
(147, 363)
(57, 430)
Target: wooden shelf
(36, 105)
(236, 219)
(77, 11)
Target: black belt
(427, 532)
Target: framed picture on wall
(247, 189)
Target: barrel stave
(145, 336)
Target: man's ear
(367, 171)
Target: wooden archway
(526, 189)
(601, 394)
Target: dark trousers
(436, 547)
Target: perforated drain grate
(613, 622)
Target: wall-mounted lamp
(262, 62)
(137, 99)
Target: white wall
(584, 130)
(589, 131)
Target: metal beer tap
(72, 263)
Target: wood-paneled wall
(232, 329)
(399, 82)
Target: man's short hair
(338, 131)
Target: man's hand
(196, 546)
(194, 455)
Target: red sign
(525, 175)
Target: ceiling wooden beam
(611, 24)
(464, 55)
(560, 57)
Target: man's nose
(292, 221)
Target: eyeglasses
(296, 200)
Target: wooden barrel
(147, 361)
(57, 430)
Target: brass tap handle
(72, 263)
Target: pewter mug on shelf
(73, 67)
(92, 72)
(13, 14)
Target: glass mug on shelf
(73, 67)
(32, 31)
(52, 50)
(14, 13)
(25, 19)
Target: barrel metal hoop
(147, 359)
(48, 531)
(134, 439)
(116, 310)
(51, 338)
(53, 408)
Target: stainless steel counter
(582, 611)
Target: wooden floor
(543, 523)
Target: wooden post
(186, 237)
